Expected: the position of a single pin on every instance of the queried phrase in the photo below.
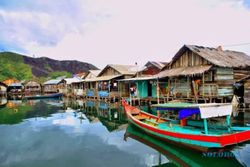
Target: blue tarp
(184, 113)
(90, 104)
(103, 93)
(90, 93)
(103, 105)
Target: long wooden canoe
(189, 136)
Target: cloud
(42, 22)
(124, 32)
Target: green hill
(13, 65)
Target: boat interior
(186, 126)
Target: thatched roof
(217, 56)
(183, 71)
(32, 83)
(122, 69)
(95, 72)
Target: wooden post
(158, 91)
(228, 123)
(195, 92)
(169, 89)
(187, 86)
(174, 87)
(138, 93)
(203, 82)
(205, 125)
(130, 98)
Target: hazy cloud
(122, 32)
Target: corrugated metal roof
(217, 56)
(122, 69)
(139, 78)
(183, 71)
(52, 82)
(103, 78)
(16, 85)
(73, 80)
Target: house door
(149, 89)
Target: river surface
(56, 133)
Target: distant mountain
(13, 65)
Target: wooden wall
(247, 91)
(224, 78)
(109, 71)
(189, 59)
(180, 86)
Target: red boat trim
(224, 140)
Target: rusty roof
(217, 56)
(183, 71)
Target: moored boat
(202, 138)
(54, 95)
(179, 156)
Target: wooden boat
(179, 156)
(54, 95)
(203, 138)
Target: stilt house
(204, 72)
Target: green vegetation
(47, 67)
(54, 75)
(12, 66)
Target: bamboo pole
(158, 91)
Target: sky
(105, 32)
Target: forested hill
(13, 65)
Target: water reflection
(16, 111)
(3, 102)
(89, 133)
(178, 156)
(110, 115)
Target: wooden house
(107, 80)
(53, 86)
(90, 86)
(204, 72)
(32, 87)
(69, 86)
(144, 82)
(3, 89)
(151, 68)
(15, 89)
(75, 86)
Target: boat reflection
(179, 156)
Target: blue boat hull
(55, 95)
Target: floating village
(194, 97)
(195, 74)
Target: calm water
(50, 133)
